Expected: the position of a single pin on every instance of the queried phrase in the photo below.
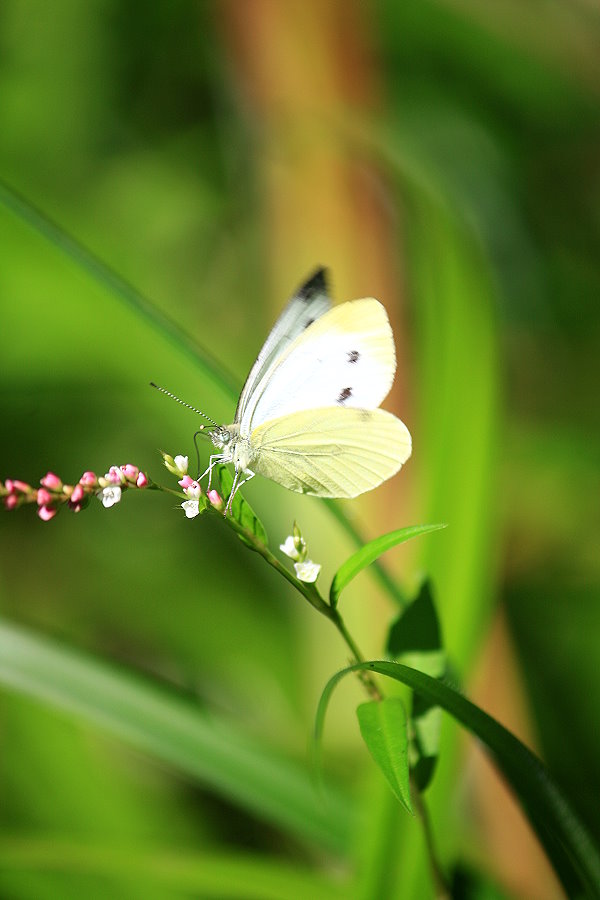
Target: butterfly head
(221, 436)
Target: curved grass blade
(369, 553)
(104, 275)
(172, 728)
(211, 874)
(570, 848)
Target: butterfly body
(308, 415)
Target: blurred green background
(442, 156)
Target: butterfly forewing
(331, 452)
(307, 305)
(346, 358)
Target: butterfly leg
(212, 462)
(237, 483)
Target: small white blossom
(307, 571)
(191, 508)
(177, 466)
(110, 495)
(289, 548)
(181, 464)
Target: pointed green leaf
(569, 846)
(384, 730)
(241, 510)
(417, 627)
(369, 553)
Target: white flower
(181, 464)
(307, 571)
(289, 547)
(191, 508)
(294, 547)
(177, 466)
(110, 495)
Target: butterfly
(308, 415)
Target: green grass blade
(173, 729)
(105, 276)
(370, 552)
(204, 874)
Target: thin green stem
(442, 888)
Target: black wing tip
(315, 284)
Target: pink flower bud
(142, 480)
(51, 481)
(77, 494)
(185, 481)
(21, 486)
(88, 479)
(114, 475)
(46, 513)
(215, 498)
(130, 472)
(43, 497)
(193, 490)
(9, 485)
(11, 501)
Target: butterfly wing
(308, 303)
(331, 452)
(344, 358)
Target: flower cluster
(53, 493)
(195, 503)
(295, 547)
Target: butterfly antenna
(183, 403)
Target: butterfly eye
(225, 436)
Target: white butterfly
(308, 414)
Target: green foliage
(149, 235)
(174, 730)
(569, 846)
(371, 552)
(415, 639)
(383, 725)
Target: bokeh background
(441, 155)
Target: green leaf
(568, 845)
(384, 730)
(172, 728)
(415, 638)
(241, 510)
(417, 628)
(369, 553)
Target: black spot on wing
(344, 394)
(353, 356)
(316, 284)
(308, 322)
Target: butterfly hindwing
(331, 452)
(345, 358)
